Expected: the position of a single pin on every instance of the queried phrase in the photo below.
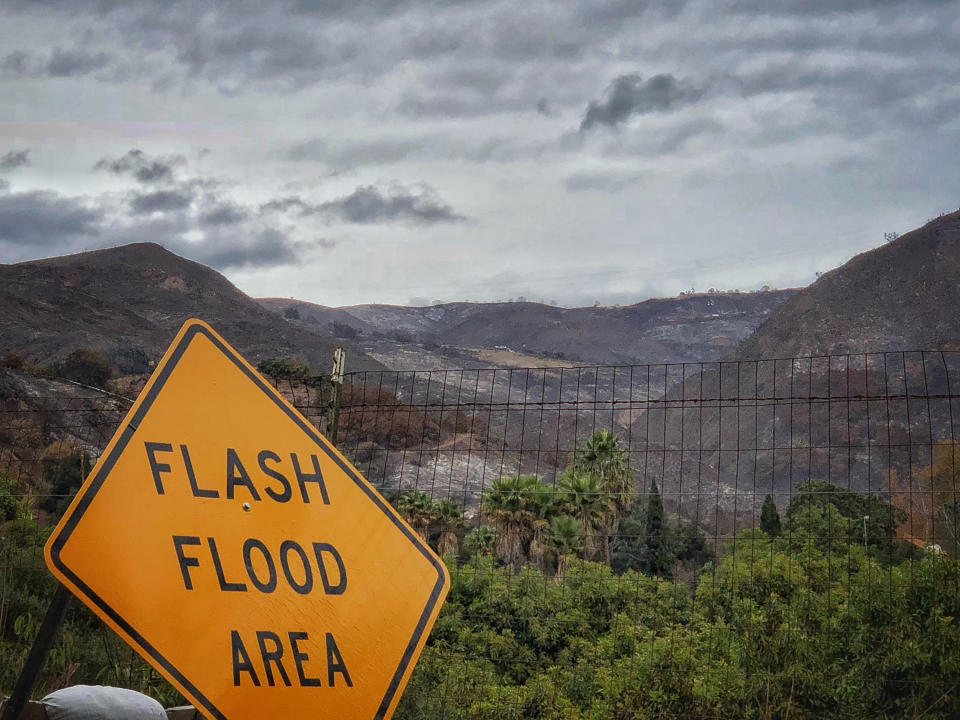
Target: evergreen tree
(657, 557)
(690, 546)
(628, 544)
(770, 518)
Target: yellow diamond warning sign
(239, 552)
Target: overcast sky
(343, 151)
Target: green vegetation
(278, 368)
(770, 518)
(64, 470)
(807, 624)
(571, 602)
(86, 650)
(85, 366)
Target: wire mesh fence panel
(762, 539)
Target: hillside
(683, 329)
(901, 296)
(127, 302)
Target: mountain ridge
(681, 329)
(128, 302)
(900, 296)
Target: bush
(8, 499)
(64, 473)
(283, 368)
(12, 361)
(85, 366)
(342, 330)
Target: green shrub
(85, 366)
(283, 368)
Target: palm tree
(419, 510)
(480, 540)
(546, 504)
(449, 514)
(585, 499)
(601, 456)
(508, 504)
(564, 538)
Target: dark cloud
(4, 186)
(13, 159)
(630, 95)
(60, 63)
(267, 248)
(68, 63)
(221, 233)
(224, 213)
(369, 204)
(16, 64)
(830, 7)
(162, 201)
(372, 204)
(147, 170)
(46, 220)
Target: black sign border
(131, 422)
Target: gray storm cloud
(162, 201)
(146, 169)
(59, 63)
(41, 220)
(375, 204)
(393, 203)
(631, 95)
(191, 217)
(13, 159)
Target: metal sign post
(42, 643)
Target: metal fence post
(336, 388)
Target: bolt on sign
(241, 555)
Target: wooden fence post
(336, 388)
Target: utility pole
(865, 518)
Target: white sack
(96, 702)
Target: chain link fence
(765, 539)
